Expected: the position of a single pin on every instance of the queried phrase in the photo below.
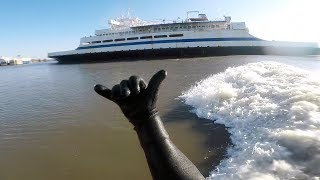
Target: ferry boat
(132, 38)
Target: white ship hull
(179, 43)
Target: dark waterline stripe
(172, 41)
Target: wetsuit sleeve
(165, 160)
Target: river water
(54, 126)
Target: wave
(272, 113)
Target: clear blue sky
(32, 28)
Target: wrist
(139, 119)
(152, 131)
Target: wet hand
(136, 99)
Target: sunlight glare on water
(272, 112)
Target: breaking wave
(272, 112)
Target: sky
(32, 28)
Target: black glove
(136, 100)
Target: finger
(134, 85)
(142, 84)
(124, 88)
(156, 81)
(103, 91)
(115, 92)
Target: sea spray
(272, 111)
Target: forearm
(165, 160)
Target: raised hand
(138, 103)
(136, 99)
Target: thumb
(103, 91)
(156, 81)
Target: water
(272, 112)
(54, 126)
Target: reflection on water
(54, 126)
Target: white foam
(272, 112)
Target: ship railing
(160, 29)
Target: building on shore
(16, 60)
(38, 60)
(19, 60)
(3, 62)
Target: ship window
(86, 43)
(122, 39)
(109, 40)
(160, 36)
(96, 42)
(175, 35)
(132, 38)
(146, 37)
(217, 26)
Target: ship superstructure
(130, 38)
